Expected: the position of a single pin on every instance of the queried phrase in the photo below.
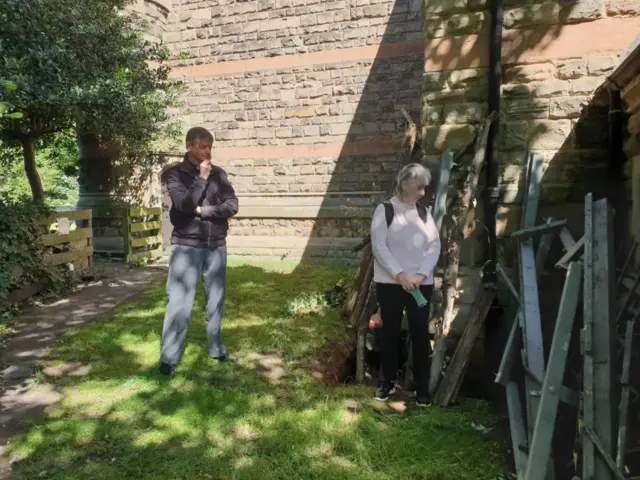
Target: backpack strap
(389, 213)
(422, 211)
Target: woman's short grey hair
(413, 173)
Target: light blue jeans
(186, 265)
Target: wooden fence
(67, 238)
(142, 234)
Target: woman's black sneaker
(423, 400)
(385, 391)
(167, 369)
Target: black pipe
(617, 193)
(492, 194)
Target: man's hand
(198, 210)
(205, 169)
(416, 279)
(405, 280)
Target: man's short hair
(196, 133)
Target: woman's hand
(404, 279)
(416, 279)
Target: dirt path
(35, 331)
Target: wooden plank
(70, 256)
(56, 239)
(507, 281)
(566, 238)
(539, 230)
(532, 329)
(144, 226)
(606, 457)
(628, 262)
(623, 409)
(571, 252)
(150, 254)
(604, 332)
(540, 448)
(68, 214)
(440, 204)
(146, 241)
(145, 212)
(588, 402)
(518, 430)
(510, 354)
(450, 384)
(544, 247)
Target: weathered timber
(455, 220)
(533, 232)
(628, 262)
(532, 329)
(588, 402)
(544, 427)
(519, 439)
(440, 203)
(363, 326)
(570, 253)
(544, 247)
(448, 388)
(606, 457)
(623, 409)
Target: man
(202, 202)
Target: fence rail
(142, 235)
(67, 236)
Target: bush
(22, 254)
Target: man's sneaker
(423, 400)
(167, 369)
(385, 391)
(226, 358)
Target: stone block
(534, 135)
(601, 65)
(582, 11)
(477, 5)
(464, 113)
(441, 7)
(441, 137)
(455, 96)
(545, 88)
(529, 73)
(622, 7)
(434, 81)
(453, 25)
(567, 107)
(574, 68)
(526, 108)
(431, 115)
(532, 15)
(586, 85)
(469, 77)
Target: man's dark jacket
(215, 197)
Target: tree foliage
(82, 65)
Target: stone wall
(555, 56)
(304, 101)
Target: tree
(86, 66)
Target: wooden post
(540, 448)
(517, 426)
(623, 410)
(126, 237)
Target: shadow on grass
(122, 419)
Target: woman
(406, 248)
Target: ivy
(22, 254)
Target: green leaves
(83, 64)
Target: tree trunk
(31, 169)
(455, 222)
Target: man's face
(200, 150)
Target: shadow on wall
(449, 104)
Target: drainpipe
(617, 193)
(489, 273)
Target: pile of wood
(450, 215)
(590, 268)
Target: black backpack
(389, 212)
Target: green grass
(123, 420)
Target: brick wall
(555, 56)
(304, 101)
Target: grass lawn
(123, 420)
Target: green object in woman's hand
(419, 298)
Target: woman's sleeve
(433, 248)
(379, 243)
